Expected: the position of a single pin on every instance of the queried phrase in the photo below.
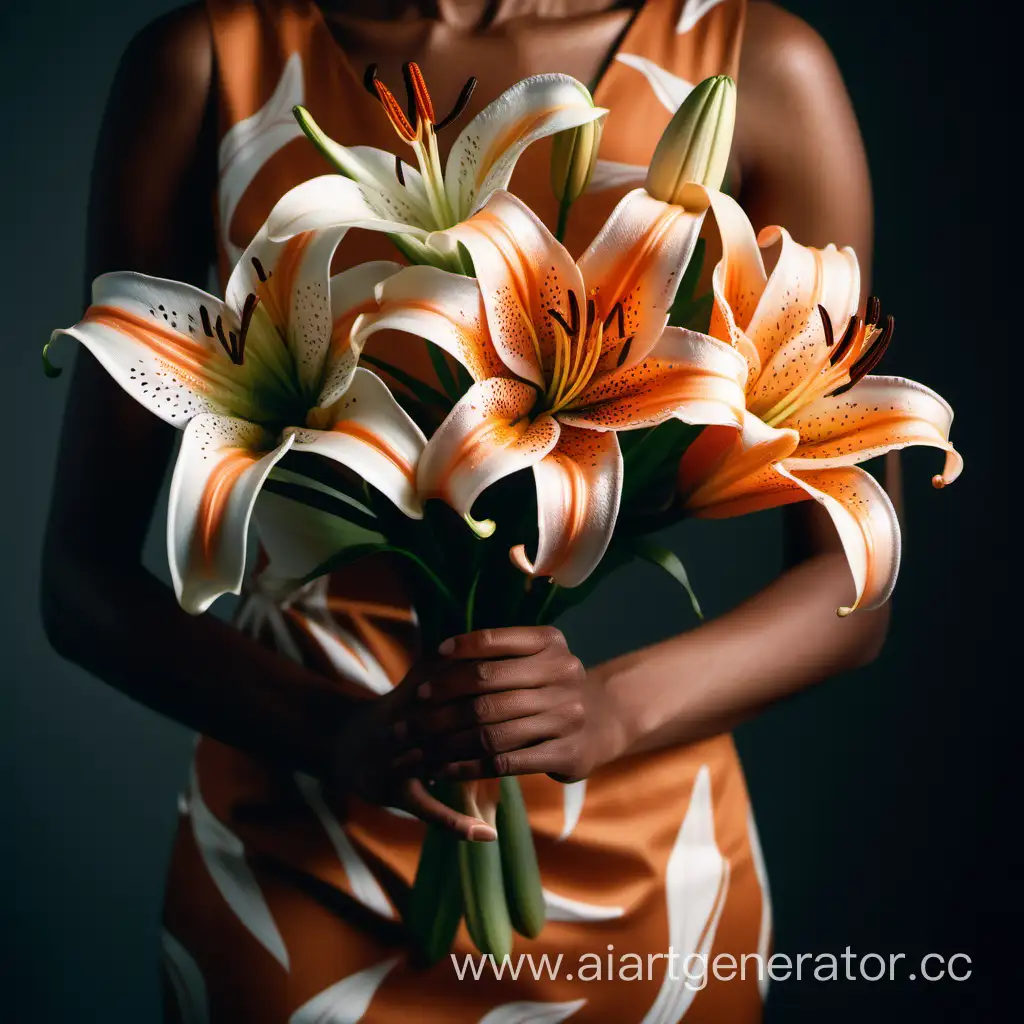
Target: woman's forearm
(711, 679)
(127, 628)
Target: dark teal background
(885, 799)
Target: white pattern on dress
(692, 12)
(248, 144)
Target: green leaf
(646, 549)
(444, 372)
(660, 449)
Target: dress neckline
(597, 86)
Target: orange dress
(283, 907)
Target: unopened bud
(573, 156)
(694, 148)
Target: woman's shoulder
(173, 54)
(780, 48)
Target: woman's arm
(803, 165)
(150, 210)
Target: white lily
(434, 197)
(270, 368)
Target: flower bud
(573, 156)
(694, 148)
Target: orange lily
(563, 355)
(812, 410)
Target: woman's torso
(651, 855)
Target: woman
(291, 864)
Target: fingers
(563, 757)
(454, 679)
(477, 709)
(509, 642)
(421, 802)
(495, 739)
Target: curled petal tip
(48, 368)
(843, 611)
(483, 528)
(939, 481)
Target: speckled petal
(221, 467)
(637, 259)
(353, 294)
(147, 333)
(579, 485)
(370, 433)
(880, 414)
(487, 436)
(688, 375)
(786, 327)
(523, 272)
(446, 309)
(484, 155)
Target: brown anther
(251, 302)
(460, 105)
(399, 173)
(204, 315)
(258, 267)
(826, 323)
(574, 314)
(624, 354)
(870, 359)
(873, 311)
(561, 321)
(591, 314)
(846, 341)
(619, 314)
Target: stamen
(591, 314)
(870, 359)
(251, 301)
(846, 342)
(617, 312)
(399, 173)
(561, 321)
(391, 106)
(460, 105)
(258, 267)
(229, 344)
(624, 354)
(873, 312)
(826, 323)
(574, 314)
(417, 90)
(204, 315)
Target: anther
(370, 80)
(460, 105)
(416, 88)
(624, 353)
(873, 312)
(204, 315)
(870, 359)
(591, 314)
(251, 301)
(574, 314)
(846, 341)
(399, 173)
(228, 347)
(561, 321)
(258, 267)
(826, 323)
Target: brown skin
(508, 701)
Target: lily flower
(435, 196)
(269, 369)
(563, 355)
(813, 409)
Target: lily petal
(867, 525)
(880, 414)
(353, 294)
(637, 260)
(579, 485)
(738, 280)
(688, 375)
(291, 279)
(333, 201)
(484, 155)
(486, 436)
(147, 333)
(221, 467)
(725, 473)
(786, 326)
(370, 433)
(446, 309)
(523, 272)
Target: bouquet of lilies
(632, 400)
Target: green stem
(563, 219)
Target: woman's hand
(511, 701)
(368, 758)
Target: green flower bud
(694, 148)
(573, 156)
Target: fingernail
(482, 834)
(423, 691)
(447, 646)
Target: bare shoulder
(174, 50)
